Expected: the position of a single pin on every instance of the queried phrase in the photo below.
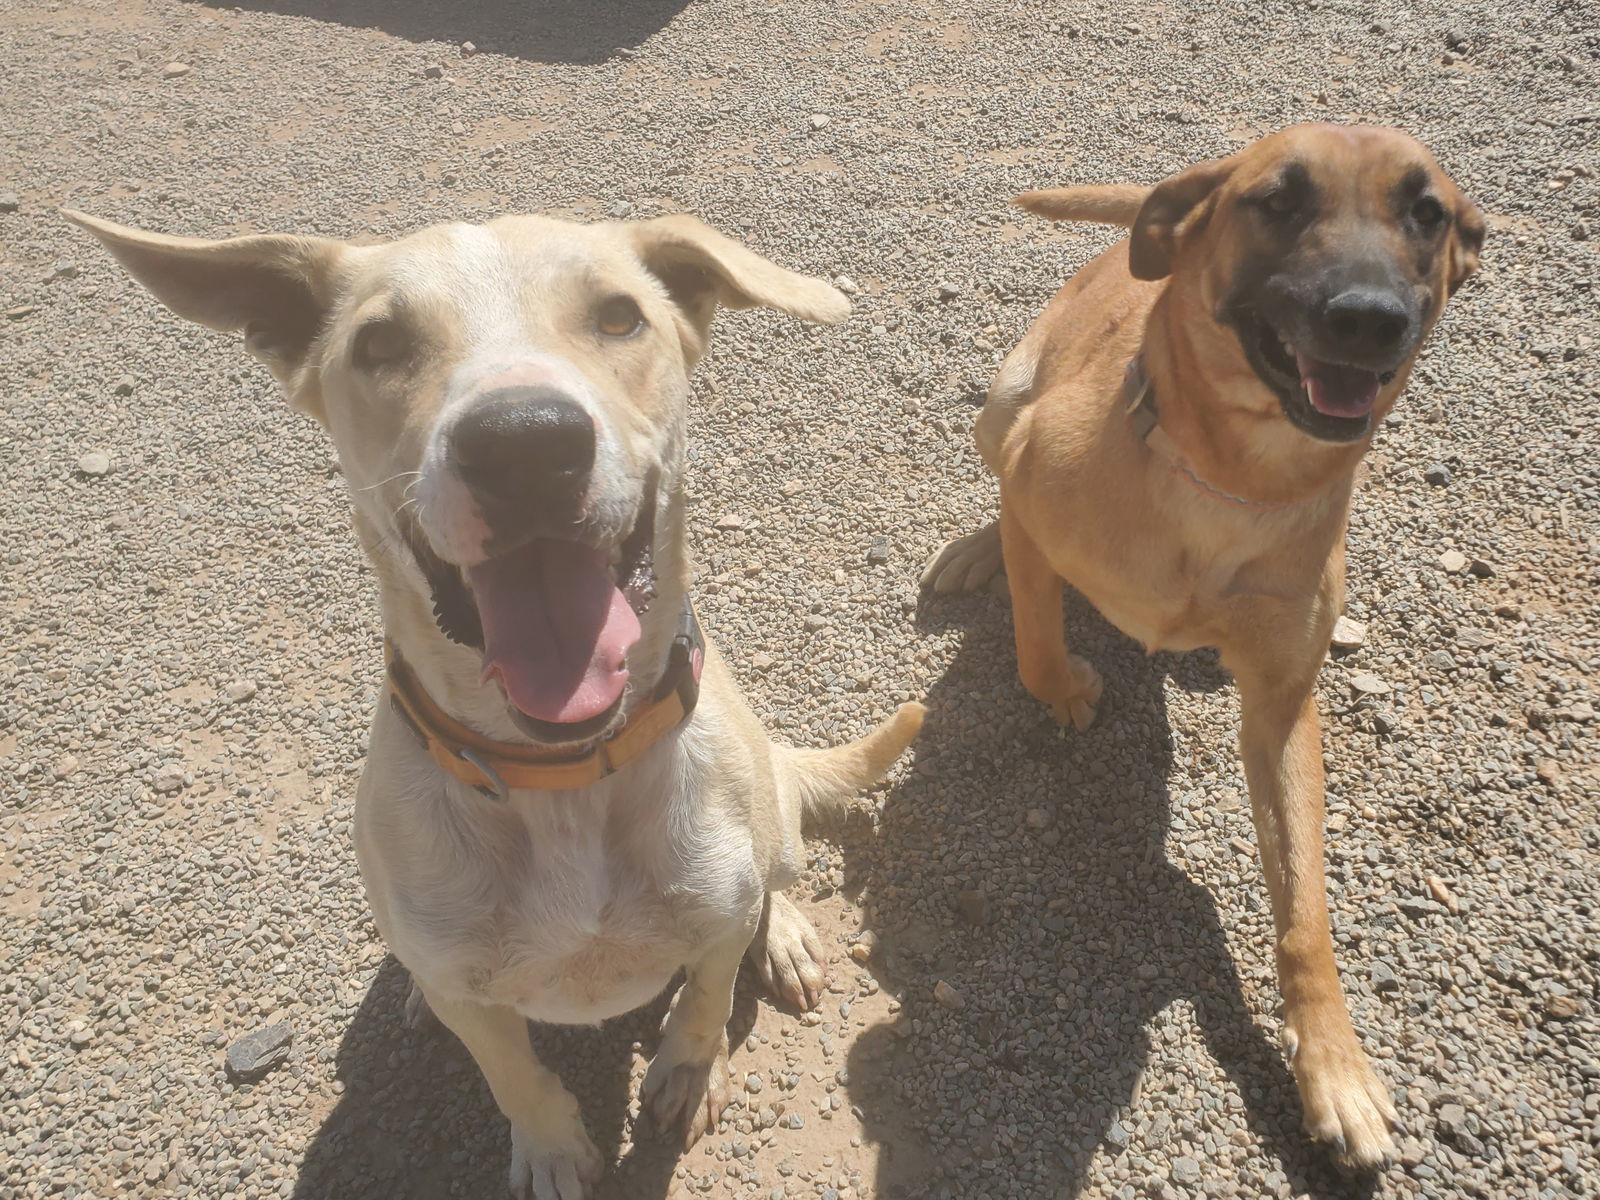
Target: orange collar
(498, 768)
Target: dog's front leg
(686, 1087)
(1345, 1102)
(552, 1157)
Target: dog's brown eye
(1281, 202)
(1427, 212)
(380, 343)
(618, 316)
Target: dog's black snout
(1366, 321)
(525, 448)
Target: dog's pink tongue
(555, 629)
(1335, 390)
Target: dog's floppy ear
(1466, 240)
(1177, 208)
(274, 287)
(701, 269)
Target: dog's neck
(1258, 458)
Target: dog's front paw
(544, 1168)
(787, 955)
(1345, 1103)
(1076, 701)
(686, 1094)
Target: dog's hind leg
(785, 953)
(965, 564)
(1068, 684)
(552, 1157)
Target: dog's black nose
(1366, 321)
(525, 448)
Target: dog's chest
(1184, 596)
(1165, 602)
(577, 923)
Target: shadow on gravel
(550, 31)
(1129, 935)
(416, 1121)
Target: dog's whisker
(391, 479)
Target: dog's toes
(541, 1170)
(965, 564)
(1080, 704)
(686, 1097)
(1081, 714)
(1346, 1104)
(787, 955)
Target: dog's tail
(1104, 204)
(826, 779)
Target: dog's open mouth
(1331, 401)
(555, 620)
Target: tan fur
(1104, 204)
(571, 905)
(1084, 499)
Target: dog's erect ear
(1466, 240)
(701, 269)
(1177, 208)
(274, 287)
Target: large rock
(257, 1052)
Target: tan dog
(559, 809)
(1177, 437)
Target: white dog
(566, 798)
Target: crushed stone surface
(1051, 965)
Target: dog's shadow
(415, 1120)
(551, 31)
(1041, 1065)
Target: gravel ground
(193, 645)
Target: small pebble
(1562, 1008)
(1348, 634)
(1369, 684)
(948, 996)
